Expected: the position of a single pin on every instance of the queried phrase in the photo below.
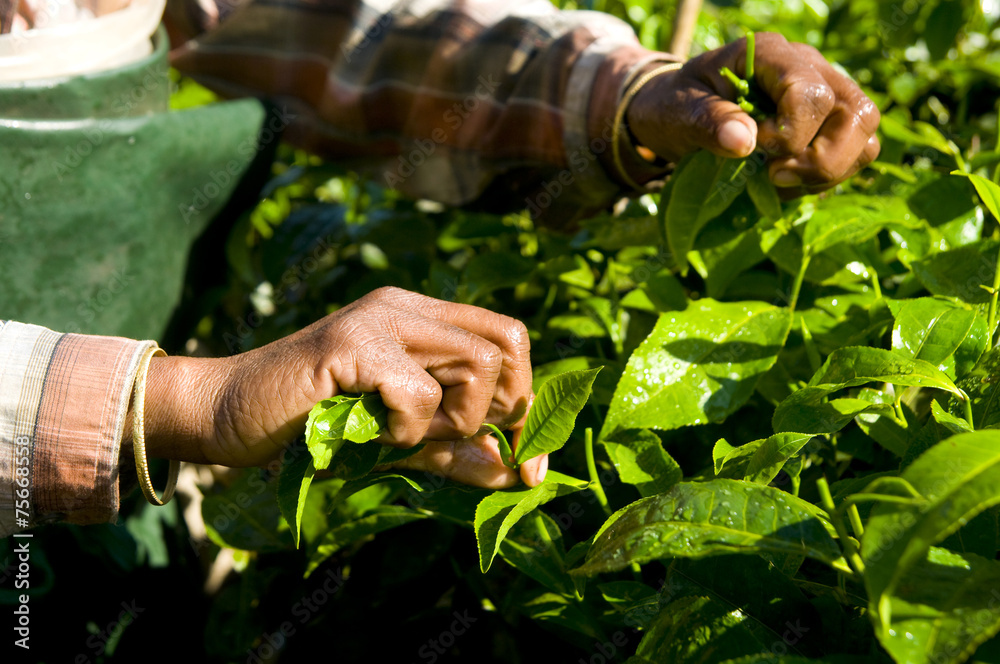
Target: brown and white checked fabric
(64, 397)
(503, 104)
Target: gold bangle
(620, 115)
(139, 435)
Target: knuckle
(516, 334)
(820, 97)
(868, 115)
(386, 294)
(489, 357)
(425, 393)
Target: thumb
(684, 114)
(720, 126)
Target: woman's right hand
(443, 370)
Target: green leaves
(694, 520)
(501, 510)
(703, 186)
(366, 419)
(851, 219)
(294, 479)
(807, 410)
(988, 191)
(697, 365)
(851, 367)
(639, 458)
(957, 479)
(961, 272)
(553, 413)
(760, 461)
(948, 334)
(982, 384)
(944, 607)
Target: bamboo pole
(685, 21)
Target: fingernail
(543, 467)
(786, 179)
(736, 137)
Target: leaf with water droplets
(943, 609)
(701, 629)
(949, 334)
(760, 461)
(958, 479)
(858, 365)
(698, 519)
(698, 365)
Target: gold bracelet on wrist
(616, 130)
(139, 435)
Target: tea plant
(788, 453)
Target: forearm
(181, 404)
(502, 104)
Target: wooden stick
(8, 11)
(685, 21)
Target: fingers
(824, 128)
(821, 133)
(533, 470)
(678, 113)
(497, 352)
(475, 461)
(442, 369)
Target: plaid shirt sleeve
(498, 104)
(63, 403)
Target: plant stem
(751, 47)
(967, 403)
(543, 534)
(881, 498)
(898, 408)
(876, 285)
(855, 519)
(506, 455)
(850, 550)
(797, 286)
(992, 320)
(595, 481)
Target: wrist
(182, 399)
(634, 164)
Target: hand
(823, 131)
(442, 369)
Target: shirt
(63, 402)
(505, 104)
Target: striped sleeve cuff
(63, 403)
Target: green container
(103, 191)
